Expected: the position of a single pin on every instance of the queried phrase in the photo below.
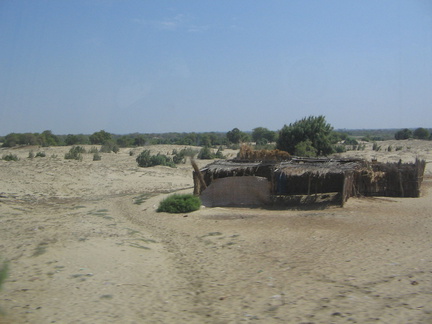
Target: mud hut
(304, 180)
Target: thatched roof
(295, 166)
(318, 168)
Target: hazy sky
(158, 66)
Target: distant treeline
(388, 134)
(262, 136)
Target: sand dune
(85, 245)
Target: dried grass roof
(295, 166)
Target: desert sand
(85, 244)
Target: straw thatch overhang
(306, 176)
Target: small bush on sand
(206, 153)
(180, 156)
(31, 155)
(109, 147)
(97, 157)
(10, 157)
(75, 153)
(179, 204)
(3, 273)
(40, 154)
(376, 147)
(145, 160)
(340, 148)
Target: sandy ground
(85, 245)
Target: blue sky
(182, 66)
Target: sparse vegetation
(179, 204)
(93, 150)
(97, 157)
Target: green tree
(262, 134)
(314, 129)
(139, 140)
(47, 138)
(234, 135)
(421, 133)
(125, 141)
(11, 140)
(403, 134)
(71, 139)
(305, 148)
(100, 137)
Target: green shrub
(179, 204)
(75, 153)
(206, 153)
(161, 159)
(340, 148)
(350, 141)
(109, 147)
(97, 157)
(180, 156)
(40, 154)
(145, 160)
(219, 154)
(376, 147)
(3, 273)
(10, 157)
